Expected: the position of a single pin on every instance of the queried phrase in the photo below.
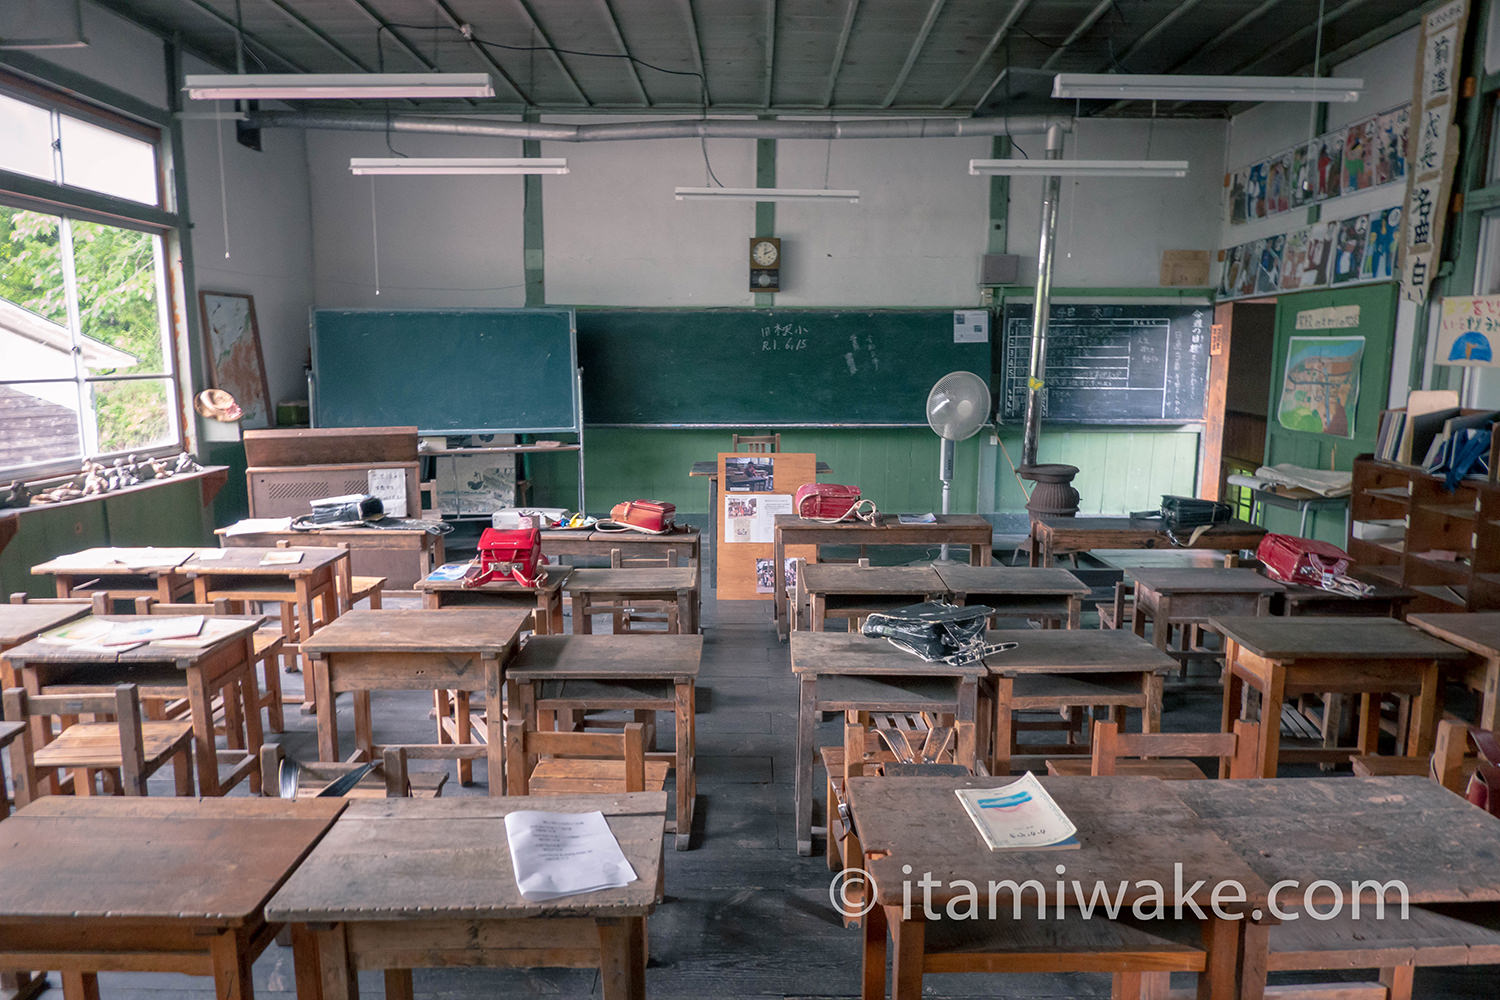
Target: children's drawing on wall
(1468, 330)
(1268, 272)
(1331, 165)
(1390, 139)
(1255, 191)
(1294, 260)
(1303, 188)
(1359, 162)
(1280, 200)
(1321, 386)
(1349, 256)
(1238, 189)
(1320, 244)
(1251, 268)
(1380, 246)
(749, 475)
(1229, 275)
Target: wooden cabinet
(1406, 527)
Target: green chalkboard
(459, 371)
(767, 368)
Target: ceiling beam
(614, 26)
(838, 51)
(1389, 28)
(770, 51)
(1084, 26)
(1016, 10)
(459, 24)
(703, 95)
(1183, 8)
(933, 10)
(562, 67)
(1300, 34)
(382, 25)
(328, 40)
(203, 8)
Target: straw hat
(217, 404)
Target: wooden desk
(840, 672)
(399, 884)
(953, 529)
(667, 585)
(1477, 632)
(1053, 595)
(1301, 829)
(143, 571)
(544, 600)
(225, 666)
(236, 575)
(416, 649)
(1051, 535)
(682, 544)
(23, 622)
(645, 673)
(1131, 831)
(1067, 668)
(89, 885)
(853, 591)
(1285, 657)
(1187, 598)
(403, 557)
(1386, 600)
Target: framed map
(1321, 385)
(235, 363)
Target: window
(87, 367)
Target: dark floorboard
(744, 915)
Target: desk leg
(1217, 981)
(249, 689)
(328, 726)
(1004, 726)
(494, 727)
(806, 720)
(1255, 953)
(230, 954)
(336, 965)
(1271, 699)
(1151, 686)
(778, 588)
(80, 985)
(982, 555)
(622, 958)
(201, 708)
(304, 628)
(305, 962)
(1233, 691)
(1425, 713)
(22, 985)
(872, 958)
(686, 765)
(1489, 710)
(966, 747)
(463, 729)
(397, 985)
(909, 942)
(1075, 611)
(582, 625)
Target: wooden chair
(756, 442)
(127, 746)
(10, 737)
(1163, 755)
(1450, 764)
(390, 778)
(99, 603)
(1120, 612)
(558, 763)
(660, 615)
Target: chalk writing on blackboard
(783, 337)
(1110, 363)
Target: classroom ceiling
(836, 57)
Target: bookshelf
(1405, 527)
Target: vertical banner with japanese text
(1434, 139)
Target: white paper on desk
(564, 854)
(256, 525)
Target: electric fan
(956, 408)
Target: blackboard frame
(505, 370)
(1179, 310)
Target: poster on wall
(1468, 330)
(235, 363)
(1349, 252)
(1434, 146)
(1320, 388)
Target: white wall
(1111, 231)
(1267, 129)
(119, 54)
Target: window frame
(74, 204)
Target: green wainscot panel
(1119, 471)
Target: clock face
(765, 253)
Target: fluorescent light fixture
(422, 165)
(764, 194)
(1173, 87)
(1081, 168)
(293, 86)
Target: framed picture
(235, 363)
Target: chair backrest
(1238, 747)
(317, 775)
(123, 702)
(619, 560)
(99, 602)
(154, 606)
(757, 442)
(524, 745)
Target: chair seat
(97, 744)
(1167, 769)
(9, 731)
(569, 776)
(363, 586)
(267, 641)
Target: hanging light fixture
(1174, 87)
(357, 86)
(1080, 168)
(429, 165)
(764, 194)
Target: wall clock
(765, 264)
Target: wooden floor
(745, 916)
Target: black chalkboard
(1110, 364)
(456, 371)
(767, 367)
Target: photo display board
(753, 489)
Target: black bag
(1187, 513)
(937, 632)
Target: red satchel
(830, 502)
(655, 517)
(1303, 560)
(1484, 783)
(512, 552)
